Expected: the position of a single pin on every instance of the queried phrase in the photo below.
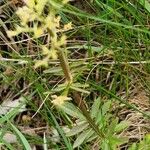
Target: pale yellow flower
(40, 63)
(52, 22)
(57, 21)
(62, 41)
(53, 54)
(59, 100)
(40, 6)
(30, 3)
(68, 26)
(38, 31)
(45, 50)
(11, 33)
(24, 14)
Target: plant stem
(65, 65)
(62, 58)
(82, 107)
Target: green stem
(62, 58)
(82, 107)
(65, 65)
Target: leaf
(99, 117)
(77, 129)
(79, 90)
(145, 4)
(54, 70)
(112, 126)
(106, 107)
(22, 138)
(95, 108)
(145, 143)
(10, 112)
(133, 147)
(102, 120)
(8, 106)
(105, 145)
(72, 110)
(91, 136)
(116, 141)
(121, 126)
(80, 87)
(81, 138)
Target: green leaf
(99, 117)
(55, 70)
(22, 138)
(60, 131)
(91, 136)
(105, 145)
(95, 108)
(115, 141)
(77, 129)
(147, 138)
(81, 138)
(72, 110)
(105, 107)
(121, 126)
(133, 147)
(145, 4)
(111, 128)
(80, 90)
(145, 143)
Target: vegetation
(74, 74)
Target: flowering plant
(38, 17)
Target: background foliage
(108, 52)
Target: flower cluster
(59, 100)
(38, 17)
(33, 19)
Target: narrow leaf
(77, 129)
(105, 107)
(72, 110)
(95, 108)
(81, 138)
(22, 138)
(121, 126)
(145, 4)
